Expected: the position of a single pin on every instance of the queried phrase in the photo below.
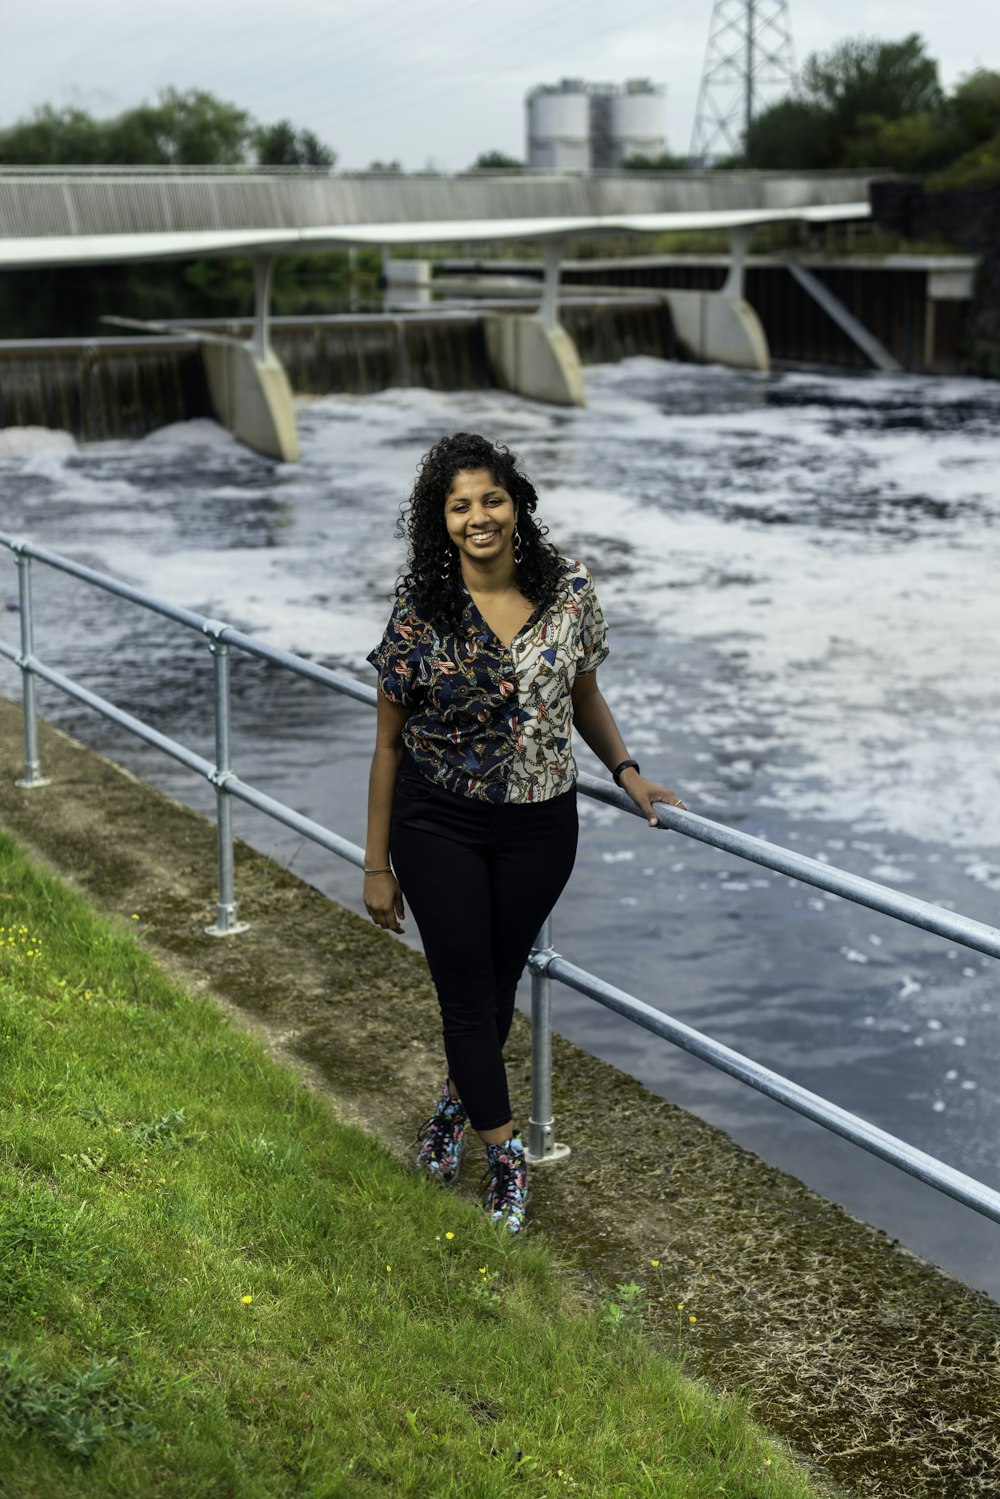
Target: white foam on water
(28, 442)
(869, 654)
(200, 432)
(855, 674)
(249, 587)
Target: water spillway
(105, 388)
(363, 355)
(445, 350)
(101, 388)
(607, 332)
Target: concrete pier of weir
(876, 1366)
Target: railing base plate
(556, 1153)
(233, 930)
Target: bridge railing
(545, 964)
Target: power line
(458, 58)
(147, 34)
(342, 30)
(490, 46)
(288, 27)
(315, 66)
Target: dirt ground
(877, 1368)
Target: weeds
(626, 1310)
(75, 1410)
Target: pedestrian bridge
(78, 216)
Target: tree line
(192, 128)
(864, 103)
(869, 103)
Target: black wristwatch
(616, 774)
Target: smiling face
(480, 517)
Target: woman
(487, 664)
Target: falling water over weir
(800, 577)
(126, 387)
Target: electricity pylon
(749, 50)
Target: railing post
(32, 777)
(542, 1144)
(226, 924)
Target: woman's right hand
(384, 901)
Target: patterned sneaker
(442, 1140)
(506, 1184)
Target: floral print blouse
(488, 720)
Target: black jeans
(479, 879)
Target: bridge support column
(739, 246)
(248, 384)
(720, 327)
(534, 355)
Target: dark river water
(800, 576)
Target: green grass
(208, 1286)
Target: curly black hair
(433, 578)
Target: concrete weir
(720, 327)
(715, 329)
(248, 386)
(877, 1367)
(535, 356)
(126, 387)
(534, 361)
(248, 383)
(252, 397)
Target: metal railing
(545, 964)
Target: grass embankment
(208, 1286)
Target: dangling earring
(446, 570)
(518, 547)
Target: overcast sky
(430, 82)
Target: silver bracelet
(386, 870)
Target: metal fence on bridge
(545, 964)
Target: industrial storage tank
(636, 120)
(559, 127)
